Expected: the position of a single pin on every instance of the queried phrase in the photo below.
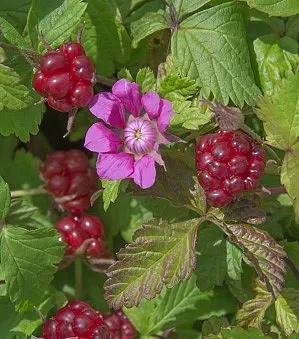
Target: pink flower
(139, 123)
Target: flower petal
(130, 95)
(165, 115)
(101, 139)
(108, 107)
(151, 104)
(115, 166)
(144, 172)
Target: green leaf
(292, 249)
(56, 20)
(190, 116)
(289, 174)
(145, 78)
(253, 311)
(15, 12)
(211, 258)
(277, 58)
(213, 325)
(111, 191)
(234, 258)
(285, 316)
(163, 254)
(198, 57)
(105, 39)
(172, 308)
(8, 318)
(275, 7)
(175, 185)
(187, 6)
(11, 34)
(4, 199)
(280, 114)
(174, 87)
(265, 254)
(238, 333)
(148, 24)
(28, 259)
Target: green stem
(78, 278)
(256, 137)
(24, 193)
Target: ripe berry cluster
(65, 77)
(227, 164)
(76, 320)
(75, 230)
(120, 326)
(70, 179)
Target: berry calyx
(120, 326)
(76, 319)
(70, 179)
(228, 163)
(75, 231)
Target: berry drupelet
(70, 180)
(120, 326)
(76, 320)
(228, 163)
(75, 231)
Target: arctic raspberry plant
(170, 208)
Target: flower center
(140, 136)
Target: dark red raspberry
(120, 326)
(70, 179)
(65, 78)
(77, 319)
(227, 164)
(75, 230)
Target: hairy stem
(105, 81)
(274, 190)
(24, 193)
(78, 278)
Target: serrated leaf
(187, 6)
(265, 254)
(238, 333)
(285, 316)
(189, 116)
(111, 191)
(253, 311)
(10, 33)
(163, 254)
(198, 57)
(234, 258)
(173, 307)
(148, 24)
(280, 114)
(289, 174)
(214, 325)
(4, 199)
(105, 38)
(275, 7)
(28, 259)
(277, 58)
(145, 78)
(175, 184)
(211, 258)
(174, 87)
(56, 20)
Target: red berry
(53, 62)
(61, 105)
(92, 226)
(69, 174)
(58, 85)
(71, 50)
(227, 164)
(81, 94)
(76, 319)
(66, 225)
(120, 326)
(82, 68)
(39, 81)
